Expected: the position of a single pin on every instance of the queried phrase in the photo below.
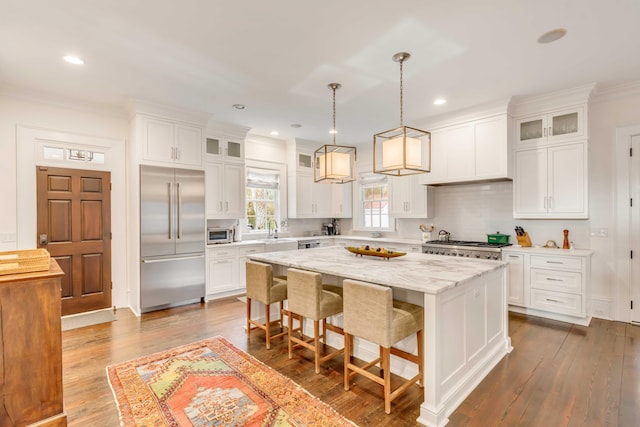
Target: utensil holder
(524, 240)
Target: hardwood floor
(557, 375)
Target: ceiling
(276, 57)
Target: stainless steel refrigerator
(172, 236)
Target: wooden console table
(31, 349)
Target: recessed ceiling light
(296, 125)
(551, 36)
(333, 131)
(274, 133)
(239, 106)
(73, 60)
(439, 101)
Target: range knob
(488, 256)
(461, 254)
(477, 255)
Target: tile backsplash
(471, 211)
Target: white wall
(615, 108)
(25, 110)
(467, 211)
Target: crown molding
(616, 91)
(525, 105)
(135, 106)
(476, 112)
(217, 127)
(48, 98)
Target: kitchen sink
(276, 241)
(273, 245)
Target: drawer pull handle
(554, 280)
(552, 300)
(555, 262)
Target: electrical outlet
(599, 232)
(7, 237)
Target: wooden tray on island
(373, 252)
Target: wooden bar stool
(266, 288)
(308, 297)
(371, 313)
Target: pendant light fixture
(403, 150)
(334, 164)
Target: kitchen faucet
(275, 229)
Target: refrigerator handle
(179, 197)
(170, 211)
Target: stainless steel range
(463, 248)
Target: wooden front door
(74, 225)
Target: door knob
(44, 239)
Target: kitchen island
(465, 309)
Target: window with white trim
(374, 202)
(262, 194)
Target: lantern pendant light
(403, 150)
(334, 164)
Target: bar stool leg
(419, 335)
(290, 334)
(248, 317)
(316, 343)
(324, 331)
(281, 316)
(267, 321)
(348, 342)
(386, 366)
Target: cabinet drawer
(573, 263)
(247, 250)
(221, 252)
(554, 280)
(557, 302)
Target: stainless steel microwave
(219, 235)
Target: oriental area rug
(212, 383)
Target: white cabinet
(409, 198)
(477, 150)
(225, 148)
(341, 200)
(491, 147)
(516, 278)
(557, 284)
(308, 199)
(225, 190)
(551, 182)
(556, 126)
(553, 283)
(243, 252)
(460, 153)
(304, 162)
(222, 270)
(170, 142)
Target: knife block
(524, 241)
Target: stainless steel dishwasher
(308, 244)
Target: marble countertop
(431, 274)
(549, 251)
(306, 238)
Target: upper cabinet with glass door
(556, 126)
(225, 148)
